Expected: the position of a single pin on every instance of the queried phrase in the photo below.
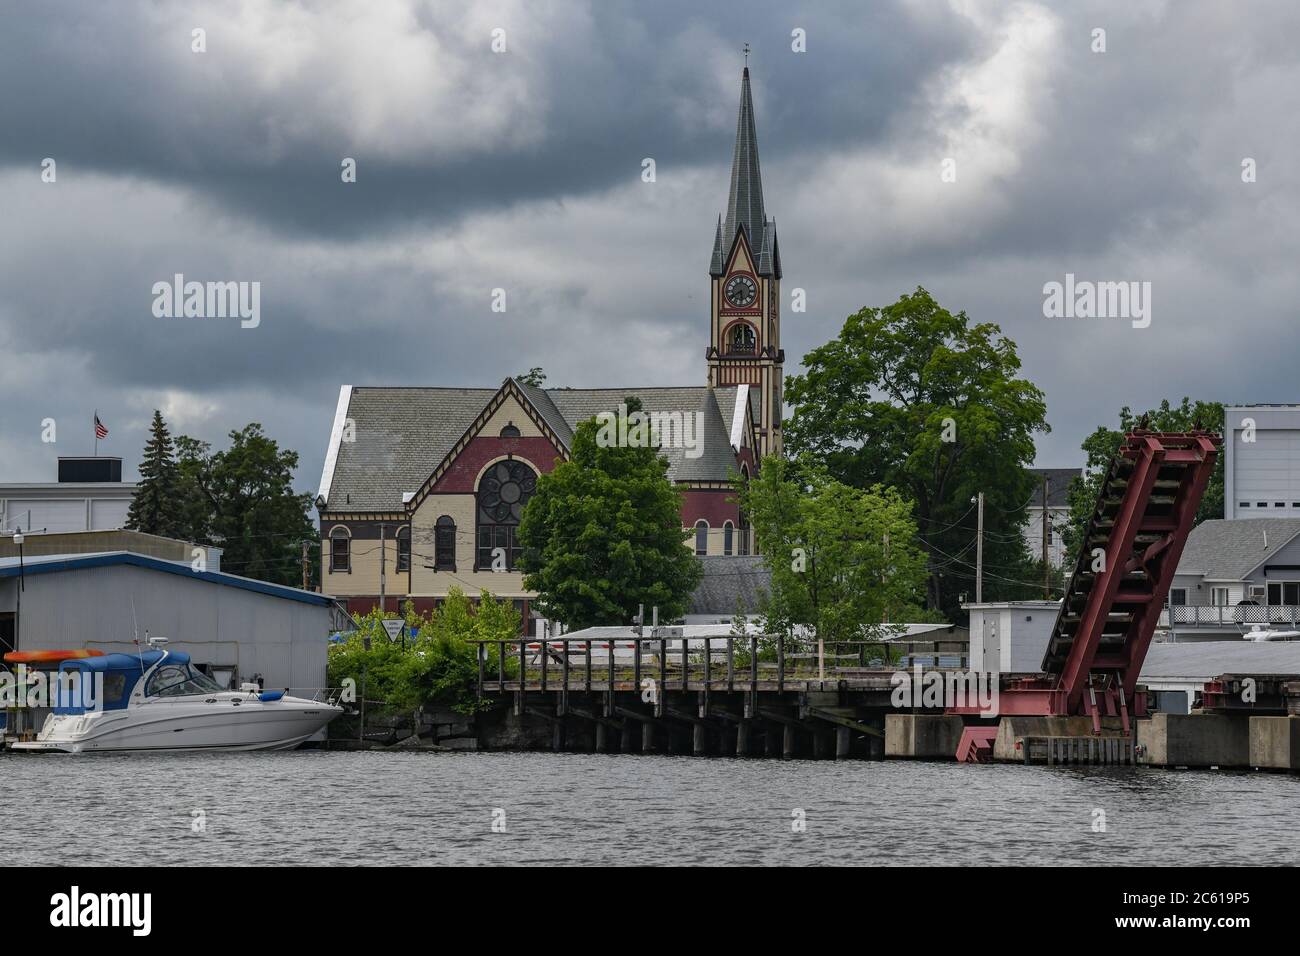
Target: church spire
(745, 195)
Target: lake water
(438, 808)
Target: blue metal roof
(50, 563)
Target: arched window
(510, 431)
(742, 339)
(404, 548)
(340, 550)
(503, 491)
(701, 537)
(444, 544)
(728, 537)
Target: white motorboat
(157, 700)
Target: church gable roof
(403, 436)
(716, 459)
(400, 435)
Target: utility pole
(979, 550)
(381, 569)
(306, 576)
(1047, 572)
(22, 586)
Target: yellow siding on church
(428, 582)
(364, 576)
(511, 412)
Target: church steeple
(745, 340)
(745, 196)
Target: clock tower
(745, 301)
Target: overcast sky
(522, 170)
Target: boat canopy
(121, 673)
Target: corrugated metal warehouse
(235, 628)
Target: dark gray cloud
(522, 171)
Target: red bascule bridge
(1112, 602)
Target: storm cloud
(521, 170)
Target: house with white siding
(1232, 575)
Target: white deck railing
(1230, 615)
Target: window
(503, 491)
(728, 537)
(1219, 597)
(701, 538)
(742, 340)
(179, 680)
(1261, 504)
(1279, 504)
(1244, 504)
(404, 548)
(510, 431)
(1178, 596)
(340, 550)
(1284, 592)
(444, 544)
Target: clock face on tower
(741, 291)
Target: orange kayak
(45, 657)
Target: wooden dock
(741, 695)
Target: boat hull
(218, 722)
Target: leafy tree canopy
(914, 397)
(603, 534)
(1102, 445)
(843, 559)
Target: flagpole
(94, 426)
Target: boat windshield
(178, 680)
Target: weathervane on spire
(746, 54)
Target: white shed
(1010, 637)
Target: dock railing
(725, 662)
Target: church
(426, 486)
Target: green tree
(534, 377)
(156, 507)
(242, 500)
(914, 397)
(1103, 444)
(843, 560)
(603, 533)
(438, 665)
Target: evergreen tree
(155, 508)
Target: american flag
(100, 430)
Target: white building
(1261, 461)
(1010, 637)
(234, 628)
(89, 496)
(1057, 481)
